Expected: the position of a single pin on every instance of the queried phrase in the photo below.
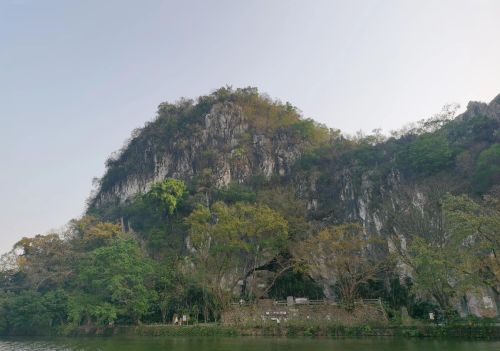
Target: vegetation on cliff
(237, 196)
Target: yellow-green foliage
(229, 240)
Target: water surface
(243, 344)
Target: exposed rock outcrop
(221, 141)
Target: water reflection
(243, 344)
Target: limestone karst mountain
(238, 196)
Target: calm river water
(244, 344)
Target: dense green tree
(435, 276)
(166, 194)
(464, 258)
(30, 312)
(427, 154)
(487, 172)
(90, 309)
(474, 233)
(89, 232)
(338, 257)
(230, 242)
(169, 286)
(118, 274)
(284, 200)
(43, 262)
(236, 193)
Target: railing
(373, 302)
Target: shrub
(428, 154)
(487, 172)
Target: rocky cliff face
(386, 198)
(221, 145)
(476, 108)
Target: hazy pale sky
(77, 76)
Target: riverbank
(473, 329)
(330, 330)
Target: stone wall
(318, 314)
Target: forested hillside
(237, 196)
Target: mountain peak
(231, 134)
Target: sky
(77, 76)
